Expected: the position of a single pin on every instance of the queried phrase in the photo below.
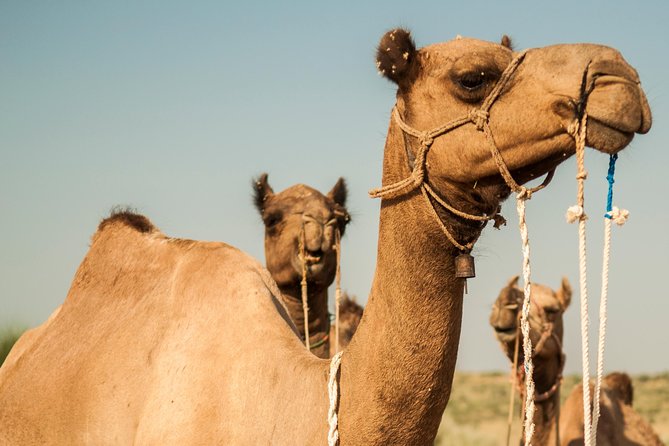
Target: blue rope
(609, 178)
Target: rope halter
(480, 117)
(302, 248)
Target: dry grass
(478, 409)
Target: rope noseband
(417, 179)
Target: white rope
(577, 213)
(602, 325)
(585, 349)
(333, 432)
(619, 216)
(524, 321)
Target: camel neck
(547, 374)
(397, 372)
(546, 421)
(319, 317)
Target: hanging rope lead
(305, 304)
(337, 287)
(521, 197)
(620, 217)
(577, 213)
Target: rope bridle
(417, 179)
(304, 286)
(574, 214)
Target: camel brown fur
(618, 425)
(287, 216)
(350, 315)
(162, 341)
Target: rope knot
(479, 117)
(619, 216)
(582, 175)
(524, 193)
(575, 213)
(426, 140)
(572, 129)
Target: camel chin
(606, 139)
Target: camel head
(531, 119)
(297, 212)
(546, 310)
(350, 314)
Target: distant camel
(350, 315)
(301, 211)
(169, 341)
(619, 424)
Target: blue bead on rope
(609, 178)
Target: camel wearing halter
(618, 425)
(168, 341)
(295, 213)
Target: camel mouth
(617, 110)
(312, 257)
(506, 334)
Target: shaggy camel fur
(618, 425)
(288, 216)
(167, 341)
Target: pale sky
(172, 107)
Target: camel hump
(127, 217)
(621, 384)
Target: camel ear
(564, 295)
(339, 192)
(395, 55)
(513, 282)
(262, 191)
(506, 41)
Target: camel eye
(273, 219)
(551, 311)
(473, 80)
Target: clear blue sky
(172, 108)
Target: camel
(618, 425)
(288, 215)
(170, 341)
(350, 315)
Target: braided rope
(305, 304)
(577, 213)
(514, 370)
(602, 327)
(619, 216)
(333, 432)
(522, 196)
(337, 287)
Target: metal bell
(464, 266)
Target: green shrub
(8, 337)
